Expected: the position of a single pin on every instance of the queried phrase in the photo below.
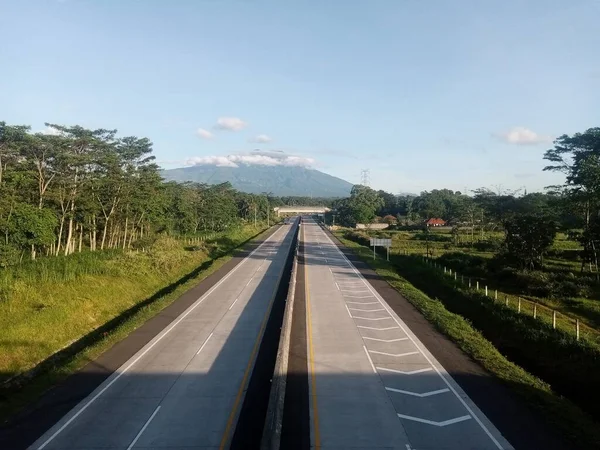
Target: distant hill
(253, 178)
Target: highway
(372, 383)
(186, 387)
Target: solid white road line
(209, 336)
(405, 372)
(143, 428)
(416, 394)
(433, 422)
(370, 360)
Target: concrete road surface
(372, 383)
(184, 389)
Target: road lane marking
(396, 355)
(234, 302)
(433, 422)
(359, 296)
(442, 376)
(209, 336)
(385, 340)
(416, 394)
(363, 303)
(311, 355)
(151, 344)
(143, 428)
(370, 360)
(405, 372)
(370, 318)
(337, 285)
(348, 309)
(243, 385)
(380, 329)
(366, 310)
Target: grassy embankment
(560, 286)
(81, 305)
(487, 332)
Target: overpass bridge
(285, 210)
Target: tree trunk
(125, 232)
(131, 238)
(69, 236)
(60, 232)
(80, 236)
(104, 234)
(32, 252)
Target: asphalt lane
(373, 384)
(184, 389)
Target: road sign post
(376, 242)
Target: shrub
(9, 255)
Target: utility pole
(254, 215)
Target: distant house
(433, 222)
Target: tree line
(73, 189)
(529, 221)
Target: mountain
(253, 178)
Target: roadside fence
(539, 311)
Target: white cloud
(260, 139)
(523, 136)
(260, 158)
(204, 134)
(219, 161)
(230, 124)
(50, 131)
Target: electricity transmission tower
(365, 177)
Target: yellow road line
(311, 353)
(226, 435)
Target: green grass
(85, 316)
(559, 412)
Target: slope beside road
(186, 386)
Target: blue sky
(425, 94)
